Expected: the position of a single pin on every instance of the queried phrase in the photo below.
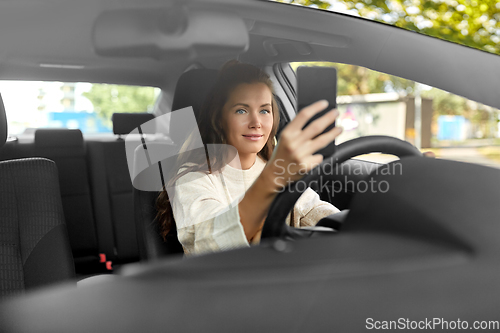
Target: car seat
(111, 191)
(34, 243)
(191, 90)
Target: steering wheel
(275, 226)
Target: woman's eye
(240, 111)
(265, 111)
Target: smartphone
(314, 84)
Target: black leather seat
(34, 244)
(191, 90)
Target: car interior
(71, 210)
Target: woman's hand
(292, 158)
(294, 155)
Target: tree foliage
(357, 80)
(109, 98)
(475, 23)
(472, 23)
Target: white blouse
(205, 208)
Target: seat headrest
(124, 123)
(60, 141)
(191, 90)
(3, 123)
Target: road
(466, 154)
(462, 154)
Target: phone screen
(314, 84)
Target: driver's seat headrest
(3, 123)
(191, 90)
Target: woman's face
(249, 117)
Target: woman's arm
(292, 158)
(255, 204)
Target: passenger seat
(34, 244)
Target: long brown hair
(212, 131)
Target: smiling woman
(248, 120)
(235, 194)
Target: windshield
(472, 23)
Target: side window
(451, 126)
(86, 106)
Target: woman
(226, 207)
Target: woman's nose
(255, 121)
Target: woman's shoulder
(192, 173)
(186, 166)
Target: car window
(451, 126)
(86, 106)
(472, 23)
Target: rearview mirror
(173, 31)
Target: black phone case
(314, 84)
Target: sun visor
(174, 31)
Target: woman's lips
(253, 137)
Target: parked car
(418, 250)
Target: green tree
(356, 80)
(110, 98)
(472, 23)
(475, 23)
